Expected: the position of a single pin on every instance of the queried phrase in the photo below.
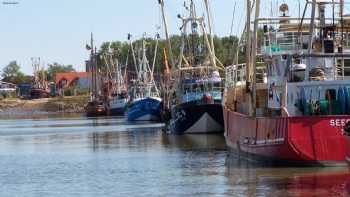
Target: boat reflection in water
(142, 139)
(79, 156)
(194, 141)
(253, 179)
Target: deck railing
(276, 42)
(237, 74)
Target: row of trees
(12, 72)
(225, 49)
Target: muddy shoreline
(59, 105)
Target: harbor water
(77, 156)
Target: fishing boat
(96, 106)
(118, 104)
(40, 87)
(289, 102)
(145, 101)
(115, 87)
(196, 85)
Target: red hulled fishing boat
(292, 108)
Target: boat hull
(348, 157)
(118, 111)
(147, 109)
(94, 110)
(196, 118)
(37, 93)
(117, 108)
(309, 140)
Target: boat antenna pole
(169, 48)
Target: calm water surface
(75, 156)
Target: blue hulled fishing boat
(145, 109)
(145, 101)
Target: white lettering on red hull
(338, 122)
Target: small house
(7, 89)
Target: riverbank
(43, 106)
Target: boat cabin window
(346, 67)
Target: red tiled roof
(70, 76)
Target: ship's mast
(195, 23)
(312, 25)
(248, 57)
(145, 77)
(169, 48)
(36, 71)
(311, 34)
(210, 26)
(133, 53)
(93, 68)
(254, 50)
(194, 26)
(341, 13)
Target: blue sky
(57, 30)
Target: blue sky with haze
(57, 30)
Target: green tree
(58, 68)
(225, 50)
(12, 74)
